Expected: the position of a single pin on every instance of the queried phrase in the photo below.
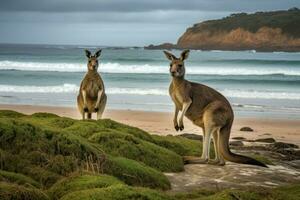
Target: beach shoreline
(160, 123)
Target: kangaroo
(206, 108)
(92, 97)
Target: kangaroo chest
(92, 85)
(92, 89)
(177, 96)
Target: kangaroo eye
(89, 61)
(179, 65)
(171, 65)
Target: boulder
(266, 140)
(192, 136)
(247, 129)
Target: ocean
(256, 83)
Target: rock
(241, 31)
(247, 129)
(267, 134)
(161, 46)
(283, 145)
(266, 140)
(295, 164)
(236, 143)
(231, 175)
(192, 136)
(239, 138)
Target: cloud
(141, 6)
(112, 22)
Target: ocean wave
(65, 88)
(261, 94)
(72, 88)
(146, 68)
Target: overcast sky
(115, 23)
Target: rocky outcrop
(265, 39)
(261, 31)
(162, 46)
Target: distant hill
(262, 31)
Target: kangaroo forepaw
(176, 127)
(181, 128)
(85, 109)
(96, 109)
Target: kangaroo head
(92, 60)
(177, 64)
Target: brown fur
(93, 88)
(206, 108)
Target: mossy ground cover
(44, 156)
(289, 192)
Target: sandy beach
(161, 122)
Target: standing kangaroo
(91, 97)
(206, 108)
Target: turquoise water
(256, 83)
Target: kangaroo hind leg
(101, 107)
(219, 160)
(206, 148)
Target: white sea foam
(65, 88)
(145, 68)
(72, 88)
(261, 94)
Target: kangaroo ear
(98, 53)
(87, 53)
(185, 54)
(169, 55)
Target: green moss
(26, 146)
(10, 191)
(139, 133)
(262, 159)
(290, 192)
(62, 122)
(134, 173)
(44, 115)
(87, 128)
(116, 192)
(81, 182)
(192, 194)
(47, 147)
(10, 114)
(180, 145)
(129, 146)
(44, 177)
(17, 178)
(233, 195)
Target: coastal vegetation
(44, 156)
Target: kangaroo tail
(224, 134)
(89, 115)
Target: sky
(115, 23)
